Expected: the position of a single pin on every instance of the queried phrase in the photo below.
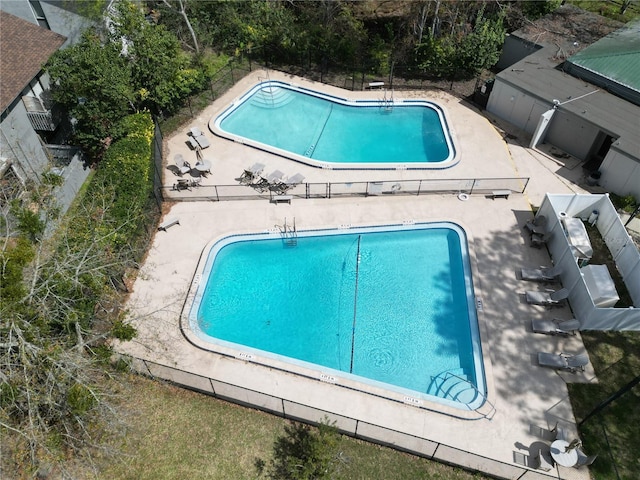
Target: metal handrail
(491, 411)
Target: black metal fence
(461, 187)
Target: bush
(626, 204)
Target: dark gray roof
(538, 75)
(563, 34)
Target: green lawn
(177, 434)
(613, 434)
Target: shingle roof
(24, 49)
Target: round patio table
(203, 167)
(562, 456)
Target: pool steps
(272, 97)
(453, 385)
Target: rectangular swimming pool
(393, 306)
(328, 131)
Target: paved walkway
(527, 398)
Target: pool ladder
(387, 102)
(289, 233)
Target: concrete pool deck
(527, 398)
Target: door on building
(599, 150)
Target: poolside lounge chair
(563, 361)
(181, 165)
(251, 174)
(538, 239)
(543, 274)
(537, 225)
(555, 326)
(290, 182)
(549, 298)
(198, 140)
(275, 177)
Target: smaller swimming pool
(331, 132)
(390, 306)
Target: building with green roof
(572, 80)
(612, 63)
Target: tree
(182, 10)
(480, 49)
(53, 375)
(94, 84)
(160, 72)
(303, 453)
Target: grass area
(613, 433)
(610, 8)
(176, 434)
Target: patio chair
(584, 459)
(542, 274)
(549, 298)
(563, 361)
(537, 225)
(181, 164)
(555, 326)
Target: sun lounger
(202, 141)
(251, 174)
(275, 177)
(198, 140)
(537, 225)
(563, 361)
(290, 182)
(549, 298)
(542, 274)
(555, 326)
(538, 239)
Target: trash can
(593, 218)
(592, 180)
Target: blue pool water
(316, 128)
(394, 306)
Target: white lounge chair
(563, 361)
(198, 140)
(251, 174)
(549, 298)
(290, 182)
(182, 165)
(202, 141)
(275, 177)
(555, 326)
(542, 274)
